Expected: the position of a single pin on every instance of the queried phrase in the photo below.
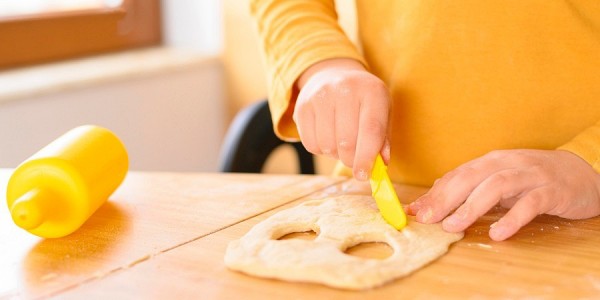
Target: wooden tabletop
(164, 235)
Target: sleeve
(586, 145)
(294, 35)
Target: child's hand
(342, 111)
(529, 182)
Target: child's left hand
(529, 182)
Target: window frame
(34, 39)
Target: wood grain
(550, 258)
(164, 236)
(150, 214)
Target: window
(36, 31)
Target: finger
(526, 209)
(424, 200)
(453, 188)
(325, 126)
(508, 203)
(386, 151)
(421, 208)
(305, 123)
(414, 207)
(505, 184)
(372, 128)
(346, 126)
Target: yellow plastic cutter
(385, 195)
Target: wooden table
(163, 236)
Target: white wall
(169, 121)
(169, 109)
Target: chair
(250, 140)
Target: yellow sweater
(466, 76)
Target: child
(498, 99)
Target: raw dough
(340, 223)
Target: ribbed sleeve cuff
(295, 35)
(586, 145)
(283, 96)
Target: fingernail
(361, 174)
(330, 153)
(497, 233)
(385, 152)
(415, 206)
(425, 216)
(343, 144)
(451, 221)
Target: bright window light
(12, 8)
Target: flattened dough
(340, 223)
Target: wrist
(329, 64)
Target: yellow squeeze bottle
(56, 190)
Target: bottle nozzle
(27, 210)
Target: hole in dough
(312, 203)
(305, 235)
(373, 250)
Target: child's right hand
(342, 111)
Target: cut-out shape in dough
(304, 235)
(376, 250)
(341, 222)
